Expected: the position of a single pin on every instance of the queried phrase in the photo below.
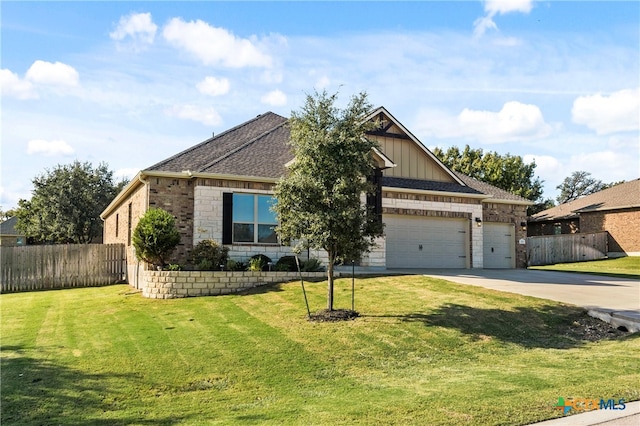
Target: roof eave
(432, 192)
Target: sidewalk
(630, 416)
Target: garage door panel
(498, 245)
(420, 242)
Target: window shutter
(227, 217)
(375, 200)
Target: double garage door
(426, 242)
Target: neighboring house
(9, 235)
(615, 210)
(221, 189)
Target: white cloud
(213, 45)
(56, 74)
(139, 27)
(506, 6)
(498, 7)
(14, 86)
(274, 98)
(207, 116)
(213, 86)
(514, 122)
(619, 112)
(49, 148)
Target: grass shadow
(546, 326)
(41, 392)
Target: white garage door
(425, 242)
(499, 245)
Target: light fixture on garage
(478, 221)
(523, 225)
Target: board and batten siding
(411, 161)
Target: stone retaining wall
(175, 284)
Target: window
(117, 224)
(130, 218)
(253, 220)
(557, 228)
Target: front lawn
(424, 351)
(624, 267)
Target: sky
(132, 83)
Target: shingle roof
(8, 227)
(259, 148)
(428, 185)
(254, 148)
(486, 188)
(624, 195)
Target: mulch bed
(593, 329)
(333, 316)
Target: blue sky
(131, 83)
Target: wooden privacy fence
(551, 249)
(61, 266)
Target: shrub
(312, 265)
(173, 267)
(259, 262)
(208, 255)
(155, 236)
(286, 264)
(233, 265)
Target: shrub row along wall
(174, 284)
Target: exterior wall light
(478, 221)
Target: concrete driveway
(577, 289)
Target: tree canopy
(508, 172)
(66, 203)
(320, 199)
(579, 184)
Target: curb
(627, 319)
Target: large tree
(579, 184)
(319, 201)
(505, 171)
(66, 203)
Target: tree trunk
(330, 282)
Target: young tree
(66, 203)
(155, 236)
(579, 184)
(508, 172)
(319, 200)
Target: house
(615, 210)
(9, 235)
(221, 188)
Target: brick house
(615, 210)
(221, 188)
(9, 235)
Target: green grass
(623, 267)
(425, 351)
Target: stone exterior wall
(177, 284)
(623, 227)
(509, 213)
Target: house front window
(253, 220)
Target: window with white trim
(253, 220)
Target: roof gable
(413, 160)
(621, 196)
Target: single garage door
(425, 242)
(499, 245)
